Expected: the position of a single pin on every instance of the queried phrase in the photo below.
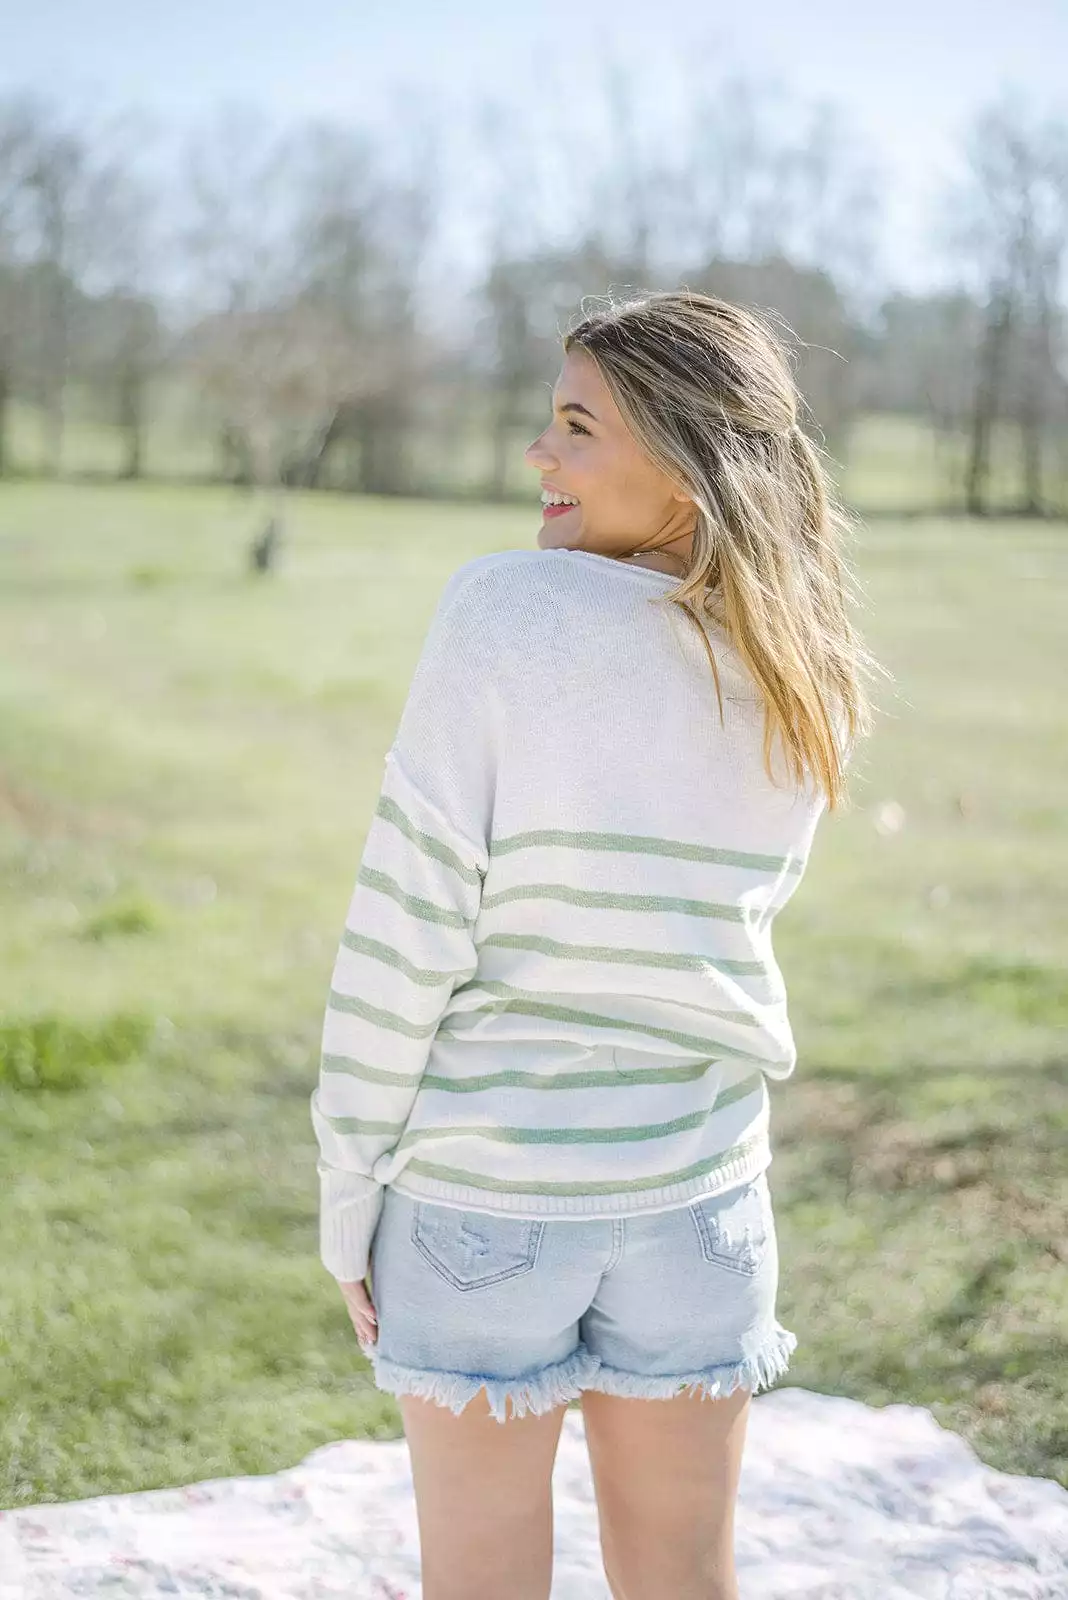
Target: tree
(364, 235)
(1009, 232)
(19, 118)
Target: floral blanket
(839, 1501)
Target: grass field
(189, 759)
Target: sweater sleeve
(408, 935)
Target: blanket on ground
(838, 1501)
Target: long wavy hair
(707, 390)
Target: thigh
(665, 1474)
(483, 1493)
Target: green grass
(189, 760)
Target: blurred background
(281, 299)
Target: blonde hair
(706, 389)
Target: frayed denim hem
(539, 1392)
(755, 1373)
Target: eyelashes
(578, 428)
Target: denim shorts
(536, 1311)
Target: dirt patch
(38, 816)
(853, 1137)
(29, 810)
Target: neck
(665, 558)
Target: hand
(362, 1311)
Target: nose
(536, 455)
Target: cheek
(624, 493)
(600, 479)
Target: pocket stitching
(725, 1258)
(442, 1269)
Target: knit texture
(555, 992)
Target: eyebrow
(573, 405)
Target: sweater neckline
(621, 566)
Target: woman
(542, 1111)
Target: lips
(551, 510)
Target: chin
(549, 538)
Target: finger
(357, 1298)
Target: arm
(407, 940)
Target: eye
(577, 426)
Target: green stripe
(637, 958)
(360, 1069)
(425, 910)
(508, 991)
(390, 811)
(588, 1080)
(475, 1180)
(350, 1005)
(393, 958)
(621, 1135)
(631, 1133)
(686, 1041)
(613, 902)
(619, 1077)
(516, 1079)
(360, 1125)
(641, 844)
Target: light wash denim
(538, 1310)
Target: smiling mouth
(557, 511)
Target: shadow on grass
(922, 1222)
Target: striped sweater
(555, 993)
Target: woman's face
(586, 452)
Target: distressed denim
(536, 1311)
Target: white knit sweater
(555, 994)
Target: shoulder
(498, 580)
(521, 586)
(500, 607)
(473, 622)
(504, 596)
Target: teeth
(550, 498)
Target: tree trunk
(236, 456)
(499, 459)
(382, 432)
(132, 421)
(54, 421)
(312, 466)
(1031, 453)
(56, 347)
(1034, 411)
(501, 438)
(5, 393)
(987, 402)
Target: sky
(907, 77)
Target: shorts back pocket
(472, 1249)
(736, 1229)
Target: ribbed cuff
(349, 1208)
